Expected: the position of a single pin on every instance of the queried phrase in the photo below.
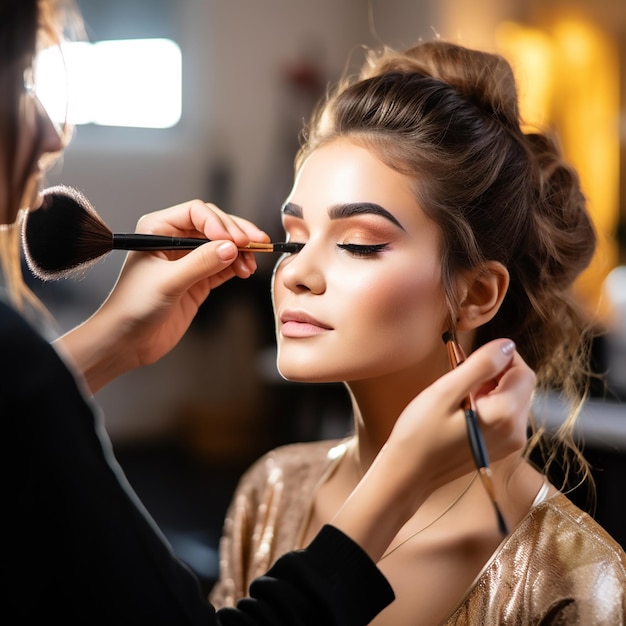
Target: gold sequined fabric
(557, 567)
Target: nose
(303, 272)
(50, 135)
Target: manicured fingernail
(227, 251)
(508, 348)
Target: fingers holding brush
(502, 398)
(475, 431)
(430, 437)
(205, 220)
(503, 411)
(157, 294)
(202, 219)
(501, 394)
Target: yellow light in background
(569, 80)
(587, 118)
(530, 52)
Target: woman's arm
(430, 437)
(158, 293)
(152, 305)
(430, 431)
(409, 467)
(83, 547)
(332, 582)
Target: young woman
(424, 209)
(80, 547)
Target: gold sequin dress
(557, 567)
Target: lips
(297, 324)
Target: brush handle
(481, 460)
(134, 241)
(477, 443)
(474, 433)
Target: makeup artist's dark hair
(18, 36)
(25, 26)
(448, 117)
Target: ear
(482, 292)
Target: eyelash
(362, 250)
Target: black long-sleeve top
(81, 548)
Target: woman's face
(364, 297)
(37, 136)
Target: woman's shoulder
(576, 535)
(558, 562)
(574, 564)
(286, 472)
(295, 459)
(559, 537)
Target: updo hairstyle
(448, 117)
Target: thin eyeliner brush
(136, 241)
(66, 235)
(475, 435)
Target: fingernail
(508, 348)
(227, 251)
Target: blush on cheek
(413, 307)
(275, 289)
(399, 294)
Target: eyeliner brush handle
(135, 241)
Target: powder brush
(66, 235)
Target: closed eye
(361, 249)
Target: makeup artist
(78, 545)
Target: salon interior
(217, 117)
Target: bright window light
(131, 82)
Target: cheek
(408, 317)
(276, 288)
(385, 319)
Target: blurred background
(240, 77)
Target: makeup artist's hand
(428, 445)
(158, 294)
(434, 428)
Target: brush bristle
(65, 235)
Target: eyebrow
(342, 211)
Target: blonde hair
(11, 264)
(22, 298)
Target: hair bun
(567, 234)
(485, 79)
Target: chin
(32, 196)
(306, 373)
(304, 377)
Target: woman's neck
(377, 404)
